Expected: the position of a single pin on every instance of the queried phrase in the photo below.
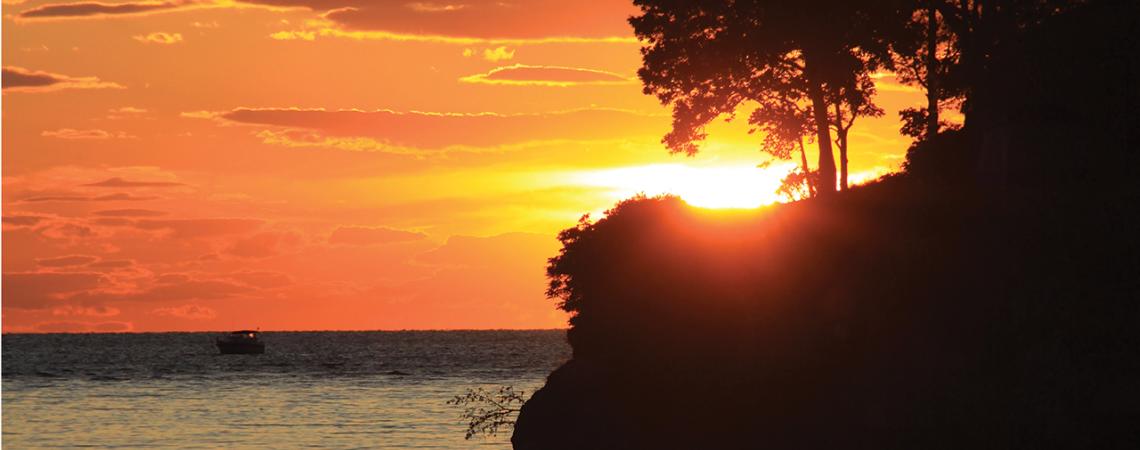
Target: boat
(241, 342)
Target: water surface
(321, 389)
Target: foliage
(487, 412)
(793, 60)
(796, 185)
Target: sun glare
(736, 186)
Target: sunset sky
(334, 164)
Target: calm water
(327, 389)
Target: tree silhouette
(925, 49)
(487, 412)
(953, 46)
(849, 103)
(798, 61)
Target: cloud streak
(117, 182)
(91, 134)
(98, 9)
(525, 75)
(438, 131)
(364, 236)
(470, 21)
(19, 79)
(159, 38)
(80, 198)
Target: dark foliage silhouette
(985, 298)
(488, 412)
(805, 64)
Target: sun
(728, 186)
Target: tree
(488, 411)
(925, 50)
(951, 46)
(849, 103)
(955, 50)
(706, 59)
(786, 122)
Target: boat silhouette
(241, 342)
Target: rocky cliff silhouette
(946, 307)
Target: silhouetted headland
(985, 298)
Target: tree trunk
(841, 142)
(825, 184)
(842, 137)
(931, 73)
(806, 169)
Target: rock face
(571, 412)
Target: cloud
(67, 231)
(83, 327)
(363, 236)
(123, 183)
(129, 213)
(92, 311)
(261, 279)
(125, 112)
(193, 312)
(112, 264)
(498, 54)
(524, 75)
(304, 139)
(66, 261)
(18, 79)
(98, 9)
(23, 221)
(181, 289)
(92, 134)
(469, 251)
(889, 82)
(262, 245)
(35, 290)
(438, 131)
(208, 115)
(79, 198)
(472, 21)
(159, 38)
(197, 228)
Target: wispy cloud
(118, 182)
(440, 131)
(117, 197)
(363, 236)
(525, 75)
(193, 312)
(159, 38)
(100, 9)
(469, 21)
(18, 79)
(88, 134)
(497, 54)
(66, 261)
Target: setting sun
(734, 186)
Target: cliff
(932, 309)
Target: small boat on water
(241, 342)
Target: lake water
(320, 389)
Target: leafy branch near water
(486, 412)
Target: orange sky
(333, 164)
